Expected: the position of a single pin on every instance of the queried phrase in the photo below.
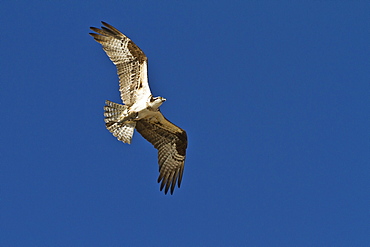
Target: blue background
(274, 96)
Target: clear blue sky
(274, 96)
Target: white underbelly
(145, 113)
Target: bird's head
(156, 102)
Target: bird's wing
(171, 142)
(130, 61)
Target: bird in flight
(140, 109)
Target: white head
(155, 102)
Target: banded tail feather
(114, 121)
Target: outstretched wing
(171, 142)
(130, 61)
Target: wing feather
(130, 61)
(171, 143)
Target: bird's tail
(113, 114)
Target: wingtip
(95, 29)
(106, 24)
(161, 189)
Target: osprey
(141, 109)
